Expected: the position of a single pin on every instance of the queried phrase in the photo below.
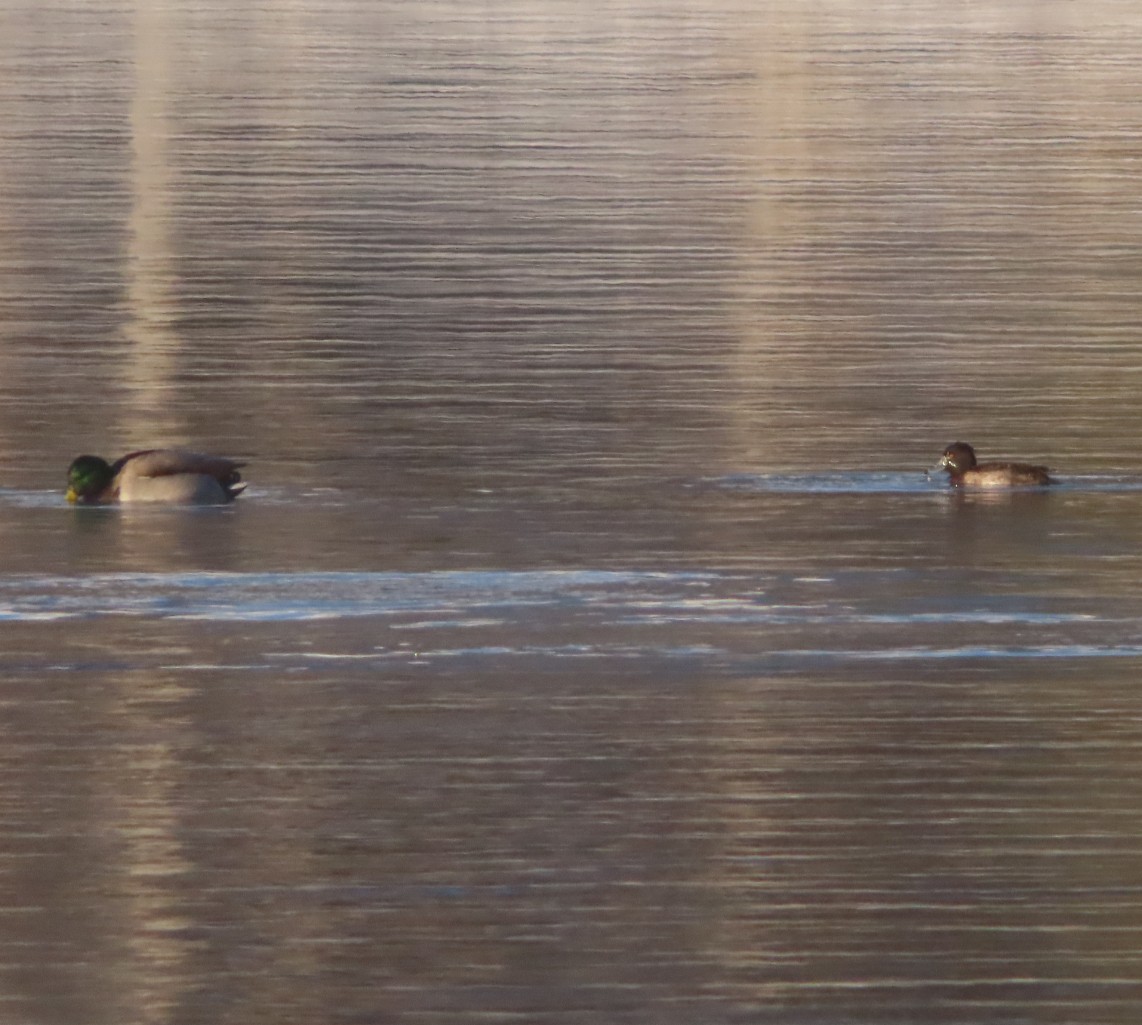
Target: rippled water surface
(591, 645)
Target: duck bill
(940, 467)
(72, 495)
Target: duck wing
(1012, 474)
(165, 462)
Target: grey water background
(590, 645)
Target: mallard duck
(155, 475)
(963, 471)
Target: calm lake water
(590, 646)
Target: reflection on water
(590, 644)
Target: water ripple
(558, 614)
(902, 481)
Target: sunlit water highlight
(590, 645)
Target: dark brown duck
(964, 471)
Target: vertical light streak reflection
(153, 344)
